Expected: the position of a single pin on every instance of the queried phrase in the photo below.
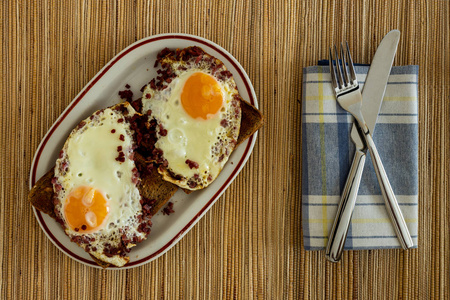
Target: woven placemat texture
(249, 245)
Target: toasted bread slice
(252, 120)
(41, 195)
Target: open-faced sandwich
(122, 164)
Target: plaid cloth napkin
(328, 153)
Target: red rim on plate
(249, 146)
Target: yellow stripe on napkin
(322, 154)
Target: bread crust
(252, 120)
(41, 194)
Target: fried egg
(96, 196)
(197, 107)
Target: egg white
(90, 155)
(199, 140)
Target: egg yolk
(201, 96)
(85, 209)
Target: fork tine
(350, 64)
(332, 71)
(344, 66)
(339, 69)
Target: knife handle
(338, 234)
(390, 200)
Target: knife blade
(376, 82)
(373, 93)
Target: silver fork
(349, 97)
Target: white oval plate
(134, 66)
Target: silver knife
(373, 93)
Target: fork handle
(389, 198)
(338, 234)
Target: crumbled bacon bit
(194, 51)
(162, 131)
(122, 137)
(120, 120)
(58, 187)
(165, 163)
(121, 157)
(83, 227)
(148, 96)
(127, 86)
(168, 209)
(126, 94)
(221, 158)
(214, 68)
(122, 108)
(81, 124)
(226, 74)
(153, 83)
(157, 152)
(113, 131)
(224, 123)
(143, 227)
(64, 166)
(192, 164)
(164, 52)
(192, 184)
(147, 207)
(145, 168)
(58, 219)
(199, 58)
(137, 104)
(143, 88)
